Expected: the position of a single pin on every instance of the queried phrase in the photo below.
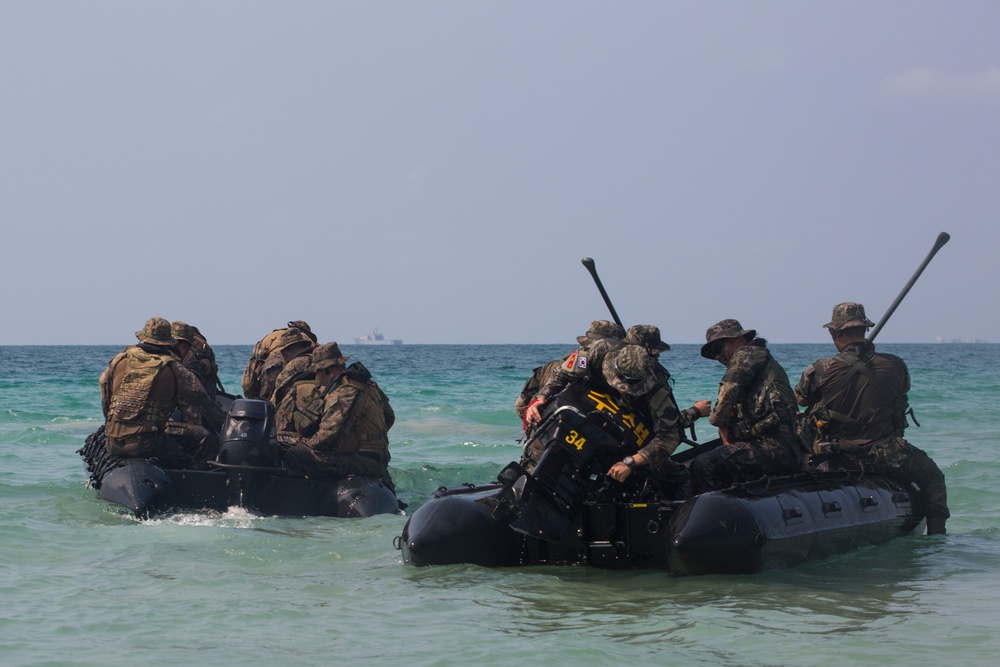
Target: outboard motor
(544, 501)
(249, 436)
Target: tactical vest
(255, 367)
(144, 392)
(366, 422)
(838, 409)
(302, 409)
(769, 406)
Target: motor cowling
(249, 436)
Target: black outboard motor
(544, 501)
(249, 436)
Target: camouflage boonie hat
(720, 331)
(601, 329)
(847, 315)
(302, 326)
(181, 331)
(156, 332)
(291, 337)
(326, 355)
(646, 335)
(630, 370)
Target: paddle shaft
(938, 244)
(589, 263)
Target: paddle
(942, 238)
(589, 263)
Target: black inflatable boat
(567, 512)
(245, 474)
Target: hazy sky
(438, 169)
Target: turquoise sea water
(81, 583)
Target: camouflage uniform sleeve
(105, 384)
(666, 427)
(688, 417)
(251, 382)
(742, 369)
(337, 409)
(191, 392)
(387, 412)
(805, 390)
(560, 378)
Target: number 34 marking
(574, 439)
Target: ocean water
(82, 583)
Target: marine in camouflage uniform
(186, 424)
(338, 423)
(185, 334)
(859, 399)
(140, 389)
(648, 336)
(205, 355)
(538, 378)
(628, 376)
(262, 352)
(296, 353)
(601, 337)
(755, 413)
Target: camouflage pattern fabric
(303, 363)
(757, 408)
(865, 419)
(755, 397)
(261, 354)
(871, 405)
(539, 377)
(743, 461)
(579, 366)
(351, 434)
(166, 451)
(646, 335)
(848, 315)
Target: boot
(935, 525)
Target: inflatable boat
(246, 473)
(565, 511)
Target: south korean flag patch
(581, 362)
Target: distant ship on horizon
(375, 338)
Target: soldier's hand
(619, 472)
(704, 408)
(533, 413)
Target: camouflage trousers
(198, 441)
(744, 461)
(155, 445)
(898, 460)
(303, 461)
